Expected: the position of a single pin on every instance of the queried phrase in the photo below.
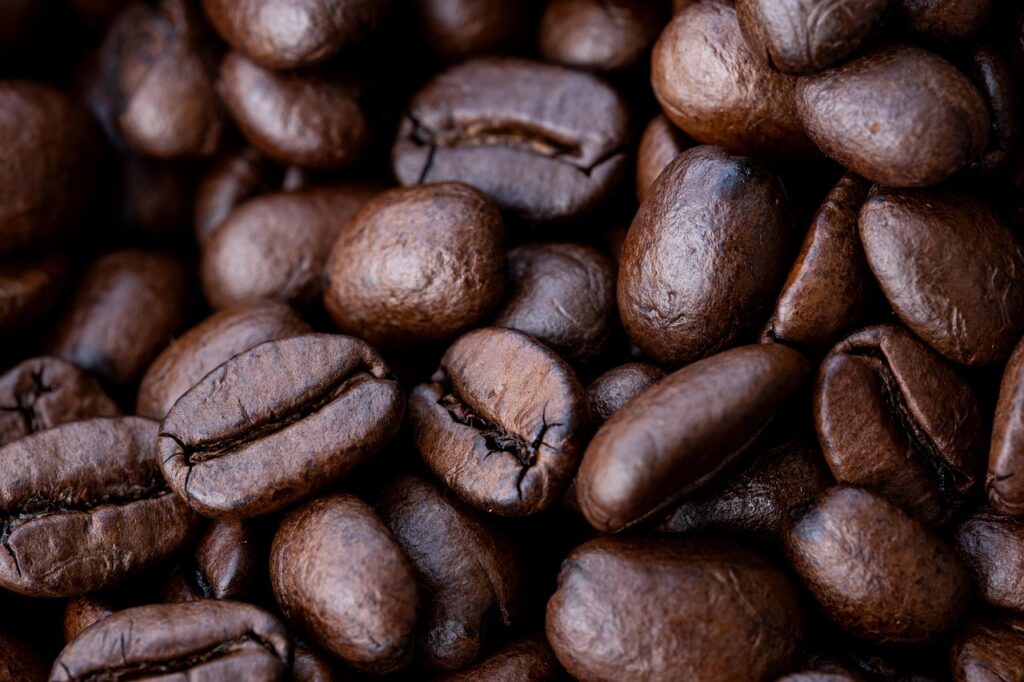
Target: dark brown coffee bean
(616, 387)
(502, 422)
(930, 126)
(826, 291)
(894, 418)
(802, 37)
(692, 281)
(310, 666)
(158, 67)
(417, 264)
(598, 34)
(783, 479)
(278, 422)
(300, 118)
(20, 662)
(710, 84)
(989, 650)
(225, 564)
(209, 344)
(83, 611)
(660, 609)
(946, 19)
(997, 84)
(992, 546)
(126, 308)
(40, 393)
(233, 180)
(456, 29)
(877, 572)
(683, 432)
(284, 34)
(1005, 479)
(50, 153)
(203, 640)
(340, 577)
(154, 198)
(527, 659)
(660, 143)
(564, 295)
(29, 289)
(84, 506)
(490, 123)
(257, 254)
(950, 270)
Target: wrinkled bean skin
(233, 180)
(826, 291)
(19, 661)
(278, 422)
(225, 564)
(804, 36)
(209, 344)
(893, 417)
(84, 507)
(527, 659)
(331, 555)
(456, 29)
(989, 650)
(912, 135)
(950, 270)
(488, 123)
(683, 433)
(946, 19)
(616, 387)
(44, 392)
(992, 546)
(206, 639)
(1004, 481)
(693, 281)
(660, 143)
(502, 422)
(875, 571)
(711, 85)
(471, 574)
(29, 290)
(662, 609)
(597, 34)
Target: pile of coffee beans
(512, 340)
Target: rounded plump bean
(599, 35)
(992, 546)
(1004, 481)
(225, 564)
(989, 650)
(29, 289)
(660, 143)
(311, 666)
(616, 387)
(527, 659)
(995, 80)
(231, 181)
(456, 29)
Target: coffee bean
(672, 609)
(604, 36)
(225, 564)
(200, 640)
(155, 199)
(310, 666)
(616, 387)
(29, 289)
(85, 610)
(875, 571)
(660, 143)
(489, 123)
(40, 393)
(945, 19)
(693, 281)
(994, 78)
(436, 257)
(1004, 483)
(683, 432)
(340, 577)
(19, 661)
(913, 135)
(84, 507)
(893, 417)
(992, 546)
(456, 29)
(989, 649)
(277, 423)
(950, 270)
(502, 422)
(527, 659)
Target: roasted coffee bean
(502, 422)
(803, 37)
(616, 387)
(470, 576)
(946, 19)
(50, 153)
(278, 422)
(564, 295)
(826, 291)
(692, 281)
(660, 143)
(989, 650)
(209, 344)
(911, 135)
(40, 393)
(995, 80)
(456, 29)
(781, 480)
(301, 118)
(310, 666)
(155, 199)
(875, 571)
(158, 68)
(126, 308)
(341, 579)
(19, 661)
(527, 659)
(257, 254)
(209, 640)
(992, 546)
(666, 609)
(683, 433)
(1004, 481)
(233, 180)
(598, 34)
(284, 34)
(85, 610)
(29, 289)
(225, 564)
(713, 86)
(435, 256)
(490, 123)
(84, 506)
(893, 417)
(949, 268)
